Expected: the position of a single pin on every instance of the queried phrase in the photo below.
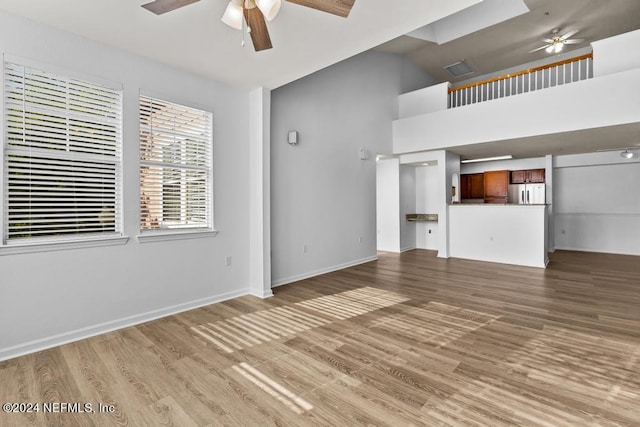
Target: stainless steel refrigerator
(527, 194)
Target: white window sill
(162, 236)
(13, 249)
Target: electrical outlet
(360, 239)
(305, 249)
(227, 261)
(429, 231)
(563, 231)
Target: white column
(548, 179)
(259, 193)
(449, 165)
(388, 205)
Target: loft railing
(546, 76)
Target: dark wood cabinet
(496, 186)
(472, 186)
(536, 176)
(531, 176)
(465, 186)
(518, 177)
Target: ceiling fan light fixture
(269, 8)
(233, 14)
(558, 47)
(627, 154)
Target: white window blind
(175, 166)
(62, 156)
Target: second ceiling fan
(251, 14)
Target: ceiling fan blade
(569, 34)
(548, 40)
(163, 6)
(259, 32)
(335, 7)
(540, 48)
(574, 41)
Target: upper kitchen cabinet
(472, 186)
(531, 176)
(496, 186)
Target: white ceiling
(193, 37)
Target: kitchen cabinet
(496, 186)
(472, 186)
(531, 176)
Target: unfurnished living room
(332, 213)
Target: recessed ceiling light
(487, 159)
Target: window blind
(62, 156)
(175, 166)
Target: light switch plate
(292, 138)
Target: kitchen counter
(508, 234)
(422, 217)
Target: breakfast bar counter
(508, 234)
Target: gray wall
(51, 297)
(323, 195)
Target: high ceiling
(305, 40)
(507, 45)
(194, 38)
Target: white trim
(176, 235)
(264, 294)
(408, 248)
(41, 246)
(102, 328)
(595, 251)
(291, 279)
(4, 207)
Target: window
(175, 166)
(61, 157)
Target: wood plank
(410, 339)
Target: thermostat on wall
(293, 137)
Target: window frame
(177, 232)
(68, 241)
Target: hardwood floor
(407, 340)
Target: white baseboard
(597, 251)
(291, 279)
(410, 248)
(90, 331)
(261, 293)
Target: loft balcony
(583, 97)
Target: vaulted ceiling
(194, 38)
(305, 40)
(508, 43)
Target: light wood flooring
(407, 340)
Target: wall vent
(460, 68)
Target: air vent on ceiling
(460, 68)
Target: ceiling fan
(626, 152)
(557, 42)
(250, 15)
